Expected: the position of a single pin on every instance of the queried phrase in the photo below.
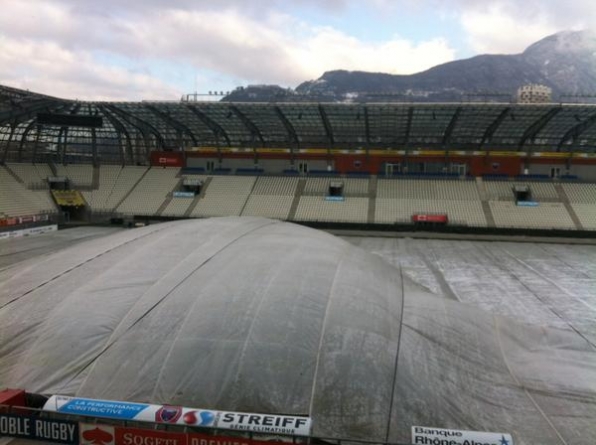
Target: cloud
(495, 31)
(509, 26)
(64, 42)
(48, 68)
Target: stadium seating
(582, 198)
(316, 208)
(114, 183)
(586, 213)
(577, 192)
(177, 207)
(548, 215)
(272, 197)
(150, 193)
(226, 196)
(503, 190)
(427, 189)
(79, 175)
(32, 175)
(17, 200)
(398, 199)
(400, 211)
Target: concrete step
(565, 200)
(488, 214)
(372, 199)
(195, 201)
(296, 201)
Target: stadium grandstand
(232, 321)
(468, 165)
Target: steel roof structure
(130, 130)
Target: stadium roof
(129, 130)
(255, 315)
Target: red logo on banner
(137, 436)
(96, 434)
(168, 414)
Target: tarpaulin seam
(252, 322)
(544, 277)
(323, 327)
(77, 266)
(545, 303)
(111, 343)
(519, 383)
(396, 363)
(171, 347)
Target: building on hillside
(534, 94)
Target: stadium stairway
(197, 198)
(248, 197)
(95, 180)
(14, 175)
(565, 200)
(169, 197)
(296, 201)
(53, 168)
(131, 189)
(481, 189)
(372, 199)
(488, 214)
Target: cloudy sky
(152, 49)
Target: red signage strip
(419, 217)
(205, 439)
(92, 434)
(138, 436)
(167, 159)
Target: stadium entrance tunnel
(260, 316)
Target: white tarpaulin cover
(254, 315)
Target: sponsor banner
(167, 158)
(91, 434)
(439, 436)
(335, 198)
(68, 198)
(28, 232)
(432, 153)
(183, 195)
(505, 154)
(430, 218)
(138, 436)
(257, 423)
(204, 439)
(273, 150)
(527, 203)
(33, 428)
(95, 408)
(547, 154)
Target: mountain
(565, 62)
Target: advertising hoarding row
(177, 415)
